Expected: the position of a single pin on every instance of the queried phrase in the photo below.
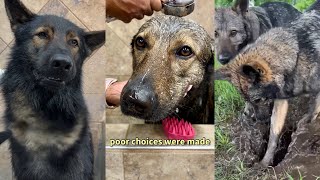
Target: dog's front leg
(279, 113)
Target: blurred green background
(299, 4)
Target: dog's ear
(222, 74)
(256, 72)
(250, 73)
(241, 6)
(17, 13)
(95, 39)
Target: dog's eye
(140, 42)
(43, 35)
(185, 52)
(74, 42)
(216, 34)
(233, 33)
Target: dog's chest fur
(31, 128)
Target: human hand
(126, 10)
(113, 93)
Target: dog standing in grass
(46, 117)
(281, 64)
(172, 66)
(240, 25)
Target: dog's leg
(279, 113)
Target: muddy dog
(240, 25)
(281, 64)
(46, 117)
(172, 65)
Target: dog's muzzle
(59, 70)
(138, 100)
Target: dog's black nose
(138, 101)
(61, 62)
(224, 58)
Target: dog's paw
(261, 165)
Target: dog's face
(253, 77)
(230, 31)
(170, 56)
(55, 48)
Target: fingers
(156, 5)
(148, 12)
(128, 10)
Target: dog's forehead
(226, 18)
(168, 25)
(58, 23)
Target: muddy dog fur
(281, 64)
(237, 26)
(46, 117)
(170, 56)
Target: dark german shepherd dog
(238, 26)
(46, 117)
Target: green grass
(228, 104)
(228, 164)
(228, 101)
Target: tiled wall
(89, 15)
(115, 57)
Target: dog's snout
(61, 62)
(224, 58)
(139, 101)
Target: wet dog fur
(172, 67)
(281, 64)
(46, 117)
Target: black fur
(4, 136)
(248, 24)
(56, 108)
(280, 13)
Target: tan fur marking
(255, 61)
(278, 118)
(70, 36)
(31, 130)
(37, 41)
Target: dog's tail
(314, 6)
(5, 135)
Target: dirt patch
(299, 145)
(304, 151)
